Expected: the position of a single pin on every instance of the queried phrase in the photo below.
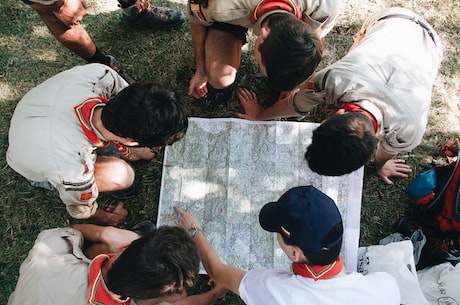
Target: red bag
(449, 218)
(438, 193)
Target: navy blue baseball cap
(305, 217)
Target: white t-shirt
(270, 287)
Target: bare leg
(63, 20)
(223, 57)
(113, 174)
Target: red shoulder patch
(86, 196)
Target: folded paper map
(225, 170)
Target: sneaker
(116, 65)
(155, 18)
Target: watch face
(192, 232)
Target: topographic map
(225, 170)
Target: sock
(126, 3)
(99, 57)
(129, 8)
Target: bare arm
(386, 166)
(228, 276)
(255, 112)
(197, 85)
(140, 153)
(104, 239)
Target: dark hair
(148, 113)
(327, 255)
(341, 144)
(291, 52)
(162, 263)
(203, 3)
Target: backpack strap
(451, 150)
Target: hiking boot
(143, 228)
(155, 18)
(116, 65)
(405, 226)
(127, 193)
(218, 97)
(110, 150)
(453, 247)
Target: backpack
(437, 192)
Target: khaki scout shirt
(55, 272)
(390, 71)
(46, 140)
(319, 14)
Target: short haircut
(161, 263)
(341, 144)
(291, 52)
(148, 113)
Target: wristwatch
(193, 230)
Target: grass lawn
(29, 54)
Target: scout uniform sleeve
(79, 196)
(402, 139)
(311, 93)
(54, 272)
(109, 84)
(321, 18)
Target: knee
(221, 77)
(123, 175)
(113, 174)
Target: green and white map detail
(225, 170)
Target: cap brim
(269, 217)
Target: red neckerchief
(269, 5)
(352, 107)
(98, 292)
(318, 272)
(83, 113)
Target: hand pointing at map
(189, 222)
(225, 275)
